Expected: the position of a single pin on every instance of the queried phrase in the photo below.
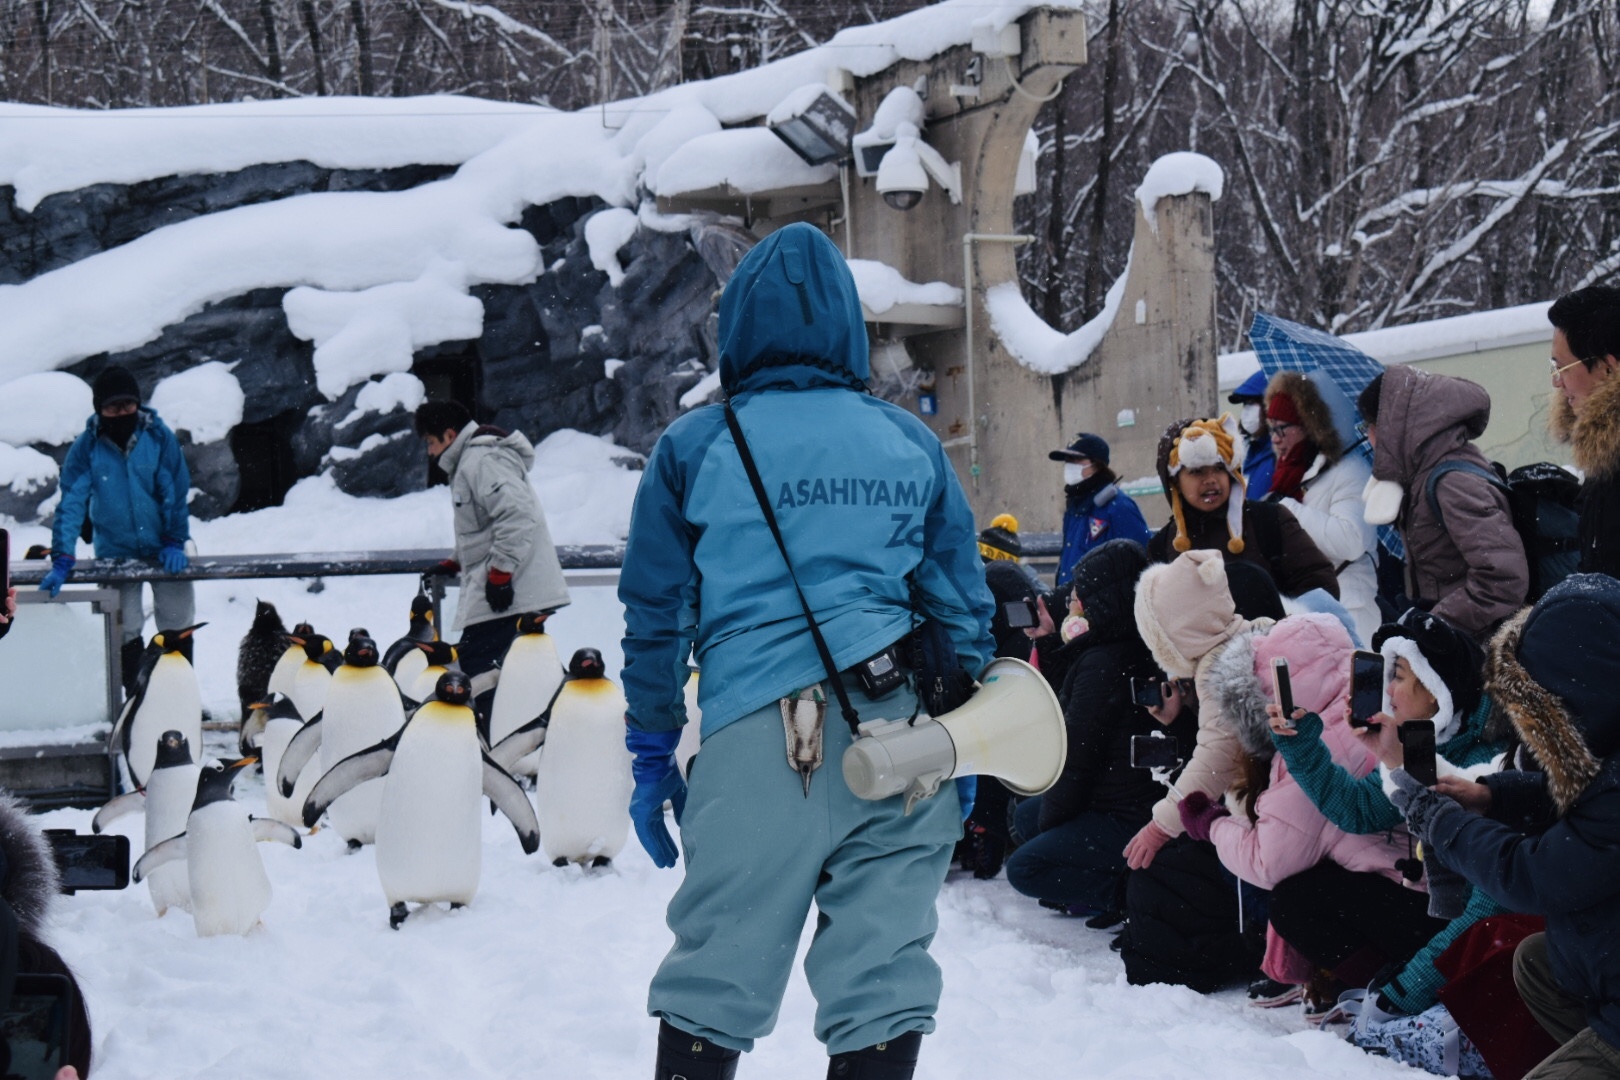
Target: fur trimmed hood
(1239, 695)
(1314, 415)
(1315, 646)
(31, 879)
(1594, 437)
(1553, 668)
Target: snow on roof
(1503, 328)
(50, 407)
(881, 287)
(205, 400)
(431, 242)
(750, 160)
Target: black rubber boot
(892, 1060)
(684, 1056)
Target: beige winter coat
(499, 523)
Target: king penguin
(167, 802)
(531, 677)
(403, 660)
(583, 784)
(257, 655)
(363, 707)
(229, 888)
(282, 723)
(441, 657)
(166, 698)
(430, 830)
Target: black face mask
(120, 428)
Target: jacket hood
(475, 434)
(1594, 437)
(1553, 668)
(1239, 697)
(1105, 582)
(790, 317)
(1424, 418)
(1315, 646)
(1314, 415)
(30, 883)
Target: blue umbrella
(1287, 346)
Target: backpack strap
(1454, 465)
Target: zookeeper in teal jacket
(867, 503)
(126, 472)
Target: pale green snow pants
(757, 852)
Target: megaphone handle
(924, 787)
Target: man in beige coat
(503, 547)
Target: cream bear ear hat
(1201, 444)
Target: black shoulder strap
(851, 717)
(1455, 465)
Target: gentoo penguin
(441, 657)
(282, 723)
(531, 677)
(692, 733)
(229, 888)
(583, 785)
(363, 707)
(403, 660)
(256, 657)
(166, 698)
(167, 802)
(429, 834)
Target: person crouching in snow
(1198, 466)
(1548, 843)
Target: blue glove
(61, 567)
(658, 780)
(967, 791)
(173, 559)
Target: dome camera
(907, 167)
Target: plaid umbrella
(1287, 346)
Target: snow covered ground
(546, 972)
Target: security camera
(907, 166)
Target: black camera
(881, 675)
(90, 861)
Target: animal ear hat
(1201, 444)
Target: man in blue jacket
(1095, 510)
(126, 472)
(879, 535)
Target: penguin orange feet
(397, 915)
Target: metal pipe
(968, 240)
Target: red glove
(1145, 845)
(448, 567)
(1198, 813)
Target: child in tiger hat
(1199, 468)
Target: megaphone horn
(1012, 729)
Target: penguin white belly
(169, 794)
(583, 785)
(278, 732)
(310, 688)
(229, 888)
(285, 673)
(530, 676)
(408, 670)
(172, 702)
(427, 680)
(362, 709)
(429, 837)
(692, 733)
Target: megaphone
(1011, 729)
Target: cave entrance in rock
(264, 456)
(451, 372)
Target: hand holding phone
(1148, 693)
(38, 1026)
(1020, 614)
(1366, 687)
(1417, 751)
(1285, 689)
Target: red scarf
(1288, 478)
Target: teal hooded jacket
(862, 490)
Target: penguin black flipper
(351, 772)
(300, 748)
(522, 742)
(116, 808)
(279, 831)
(119, 736)
(514, 802)
(171, 850)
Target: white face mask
(1249, 418)
(1073, 473)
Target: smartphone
(1285, 689)
(1154, 752)
(90, 861)
(1366, 687)
(38, 1026)
(5, 563)
(1417, 747)
(1020, 614)
(1148, 693)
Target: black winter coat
(1595, 439)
